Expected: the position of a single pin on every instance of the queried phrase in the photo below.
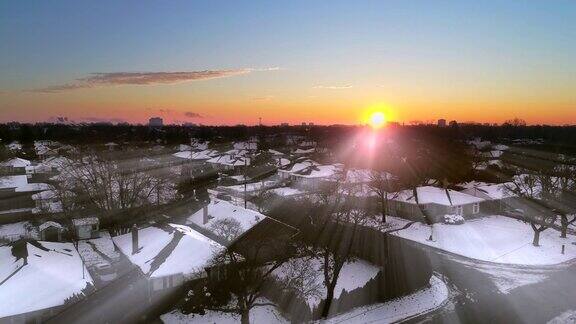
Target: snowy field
(495, 239)
(418, 303)
(258, 315)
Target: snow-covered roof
(20, 184)
(230, 160)
(44, 195)
(220, 209)
(274, 152)
(435, 195)
(173, 249)
(47, 224)
(54, 273)
(85, 221)
(197, 145)
(245, 146)
(16, 163)
(500, 147)
(50, 207)
(490, 191)
(202, 155)
(318, 171)
(298, 166)
(304, 151)
(110, 144)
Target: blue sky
(435, 47)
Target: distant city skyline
(322, 62)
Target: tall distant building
(155, 122)
(441, 122)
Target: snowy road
(491, 293)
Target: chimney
(205, 216)
(134, 239)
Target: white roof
(85, 221)
(245, 145)
(220, 209)
(16, 163)
(202, 155)
(318, 171)
(47, 224)
(304, 151)
(274, 152)
(44, 195)
(156, 258)
(231, 160)
(500, 147)
(435, 195)
(54, 273)
(491, 191)
(20, 184)
(299, 166)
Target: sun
(377, 120)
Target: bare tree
(241, 274)
(535, 191)
(385, 187)
(99, 183)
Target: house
(36, 279)
(218, 210)
(286, 171)
(20, 230)
(197, 156)
(435, 202)
(167, 254)
(16, 197)
(51, 231)
(14, 166)
(47, 202)
(86, 227)
(497, 196)
(230, 161)
(315, 177)
(249, 145)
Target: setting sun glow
(377, 120)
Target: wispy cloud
(334, 87)
(191, 114)
(96, 80)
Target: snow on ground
(287, 191)
(566, 317)
(418, 303)
(258, 315)
(49, 278)
(495, 239)
(354, 274)
(103, 244)
(506, 280)
(392, 223)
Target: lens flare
(377, 120)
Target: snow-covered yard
(354, 274)
(258, 315)
(418, 303)
(495, 239)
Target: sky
(327, 62)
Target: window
(456, 210)
(475, 208)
